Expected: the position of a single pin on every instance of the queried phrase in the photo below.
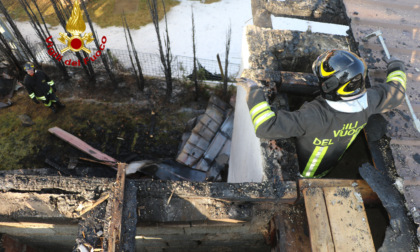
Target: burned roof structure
(263, 205)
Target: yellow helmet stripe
(341, 90)
(325, 73)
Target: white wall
(245, 163)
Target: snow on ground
(211, 25)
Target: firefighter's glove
(247, 84)
(51, 84)
(35, 100)
(394, 64)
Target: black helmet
(340, 74)
(28, 66)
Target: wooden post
(114, 231)
(220, 66)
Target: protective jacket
(39, 86)
(325, 129)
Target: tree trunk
(164, 58)
(140, 77)
(22, 41)
(225, 81)
(41, 33)
(59, 11)
(168, 55)
(6, 50)
(103, 56)
(194, 56)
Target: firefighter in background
(325, 127)
(40, 87)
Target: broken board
(79, 144)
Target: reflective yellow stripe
(42, 98)
(397, 79)
(325, 73)
(314, 161)
(50, 83)
(398, 76)
(398, 73)
(258, 109)
(51, 90)
(341, 90)
(47, 104)
(262, 118)
(32, 95)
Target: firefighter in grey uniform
(325, 127)
(40, 87)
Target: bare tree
(62, 15)
(228, 38)
(165, 57)
(24, 45)
(8, 52)
(103, 57)
(42, 31)
(139, 77)
(194, 55)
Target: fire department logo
(76, 26)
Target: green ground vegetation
(114, 130)
(102, 12)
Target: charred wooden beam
(261, 17)
(282, 192)
(315, 10)
(52, 198)
(287, 50)
(117, 201)
(368, 195)
(288, 230)
(400, 234)
(33, 183)
(287, 82)
(8, 243)
(81, 145)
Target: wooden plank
(114, 231)
(349, 225)
(368, 195)
(319, 225)
(81, 145)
